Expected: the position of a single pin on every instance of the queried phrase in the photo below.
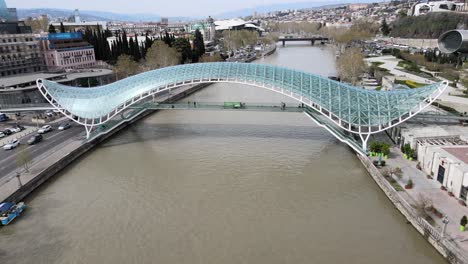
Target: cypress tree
(52, 29)
(198, 46)
(125, 48)
(62, 28)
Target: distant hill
(90, 15)
(286, 6)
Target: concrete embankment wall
(416, 43)
(443, 245)
(46, 174)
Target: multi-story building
(67, 51)
(19, 51)
(134, 28)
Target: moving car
(12, 144)
(64, 126)
(45, 129)
(35, 139)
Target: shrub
(379, 147)
(409, 183)
(464, 221)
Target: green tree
(198, 46)
(62, 28)
(126, 66)
(384, 28)
(182, 45)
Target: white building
(448, 165)
(422, 8)
(236, 24)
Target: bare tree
(214, 58)
(161, 55)
(423, 204)
(234, 39)
(351, 65)
(126, 66)
(397, 172)
(23, 158)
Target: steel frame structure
(356, 110)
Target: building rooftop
(28, 81)
(461, 153)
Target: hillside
(431, 25)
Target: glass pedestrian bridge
(353, 109)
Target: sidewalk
(38, 165)
(430, 188)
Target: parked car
(49, 113)
(12, 144)
(7, 132)
(45, 129)
(2, 135)
(20, 127)
(14, 129)
(35, 139)
(64, 126)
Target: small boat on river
(9, 211)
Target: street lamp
(445, 221)
(20, 184)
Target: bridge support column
(364, 139)
(312, 42)
(284, 42)
(88, 131)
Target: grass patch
(394, 184)
(450, 74)
(409, 83)
(378, 88)
(446, 108)
(409, 66)
(376, 63)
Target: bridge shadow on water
(164, 131)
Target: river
(218, 187)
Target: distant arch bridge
(353, 109)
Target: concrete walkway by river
(430, 188)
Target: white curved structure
(353, 109)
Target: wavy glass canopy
(354, 109)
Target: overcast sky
(160, 7)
